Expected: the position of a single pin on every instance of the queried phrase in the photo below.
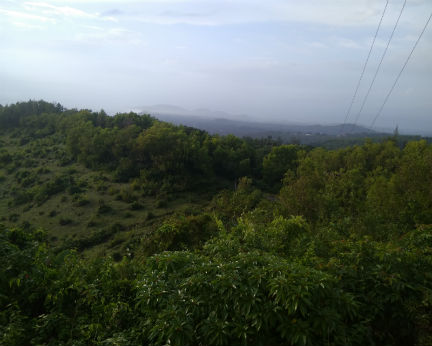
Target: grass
(94, 209)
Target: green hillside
(125, 230)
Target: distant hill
(171, 110)
(217, 122)
(225, 126)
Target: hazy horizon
(279, 61)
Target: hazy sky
(292, 60)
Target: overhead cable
(400, 72)
(364, 67)
(378, 67)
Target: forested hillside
(126, 230)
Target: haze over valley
(274, 61)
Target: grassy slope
(129, 214)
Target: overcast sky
(278, 60)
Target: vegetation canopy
(125, 230)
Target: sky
(272, 60)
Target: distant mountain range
(216, 122)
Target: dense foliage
(308, 247)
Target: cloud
(26, 16)
(347, 43)
(26, 26)
(112, 12)
(335, 13)
(49, 9)
(93, 27)
(317, 45)
(49, 13)
(180, 14)
(103, 35)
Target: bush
(5, 157)
(92, 223)
(14, 217)
(126, 195)
(161, 203)
(180, 233)
(21, 197)
(104, 208)
(136, 206)
(65, 221)
(52, 213)
(117, 257)
(80, 200)
(250, 299)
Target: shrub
(104, 208)
(180, 233)
(52, 213)
(80, 200)
(14, 217)
(92, 223)
(250, 299)
(161, 203)
(21, 196)
(117, 257)
(65, 221)
(126, 195)
(136, 206)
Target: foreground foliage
(231, 292)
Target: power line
(364, 67)
(400, 72)
(379, 66)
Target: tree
(278, 161)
